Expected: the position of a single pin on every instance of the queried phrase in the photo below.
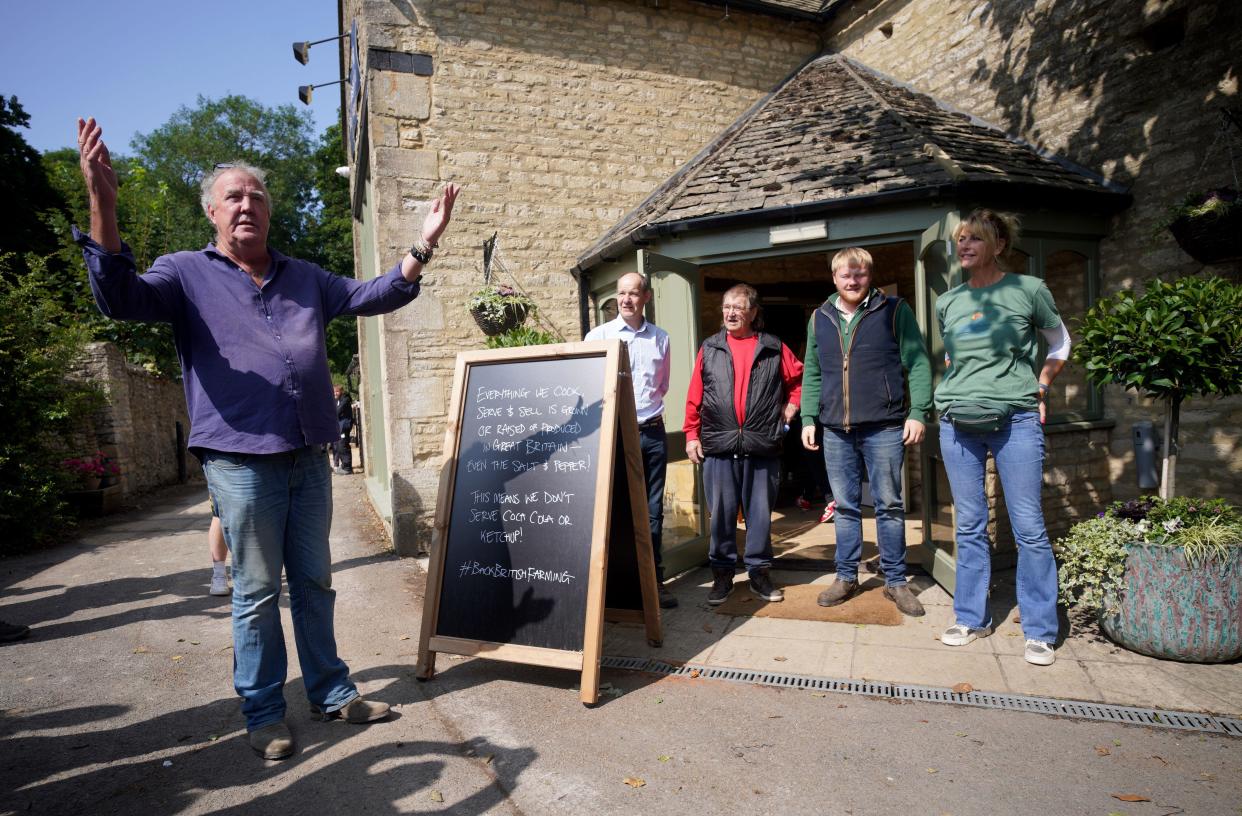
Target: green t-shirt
(991, 338)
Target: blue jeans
(749, 482)
(654, 443)
(1018, 450)
(276, 510)
(881, 450)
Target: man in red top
(746, 388)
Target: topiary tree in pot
(1179, 339)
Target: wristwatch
(1044, 389)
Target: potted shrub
(1179, 339)
(1164, 577)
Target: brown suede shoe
(838, 593)
(667, 599)
(356, 711)
(906, 603)
(272, 741)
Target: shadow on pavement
(73, 760)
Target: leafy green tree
(1179, 339)
(329, 240)
(25, 193)
(233, 128)
(39, 404)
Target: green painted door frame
(935, 272)
(675, 286)
(375, 424)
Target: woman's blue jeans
(1018, 449)
(276, 510)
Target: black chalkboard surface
(519, 537)
(542, 511)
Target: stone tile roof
(807, 9)
(837, 132)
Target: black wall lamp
(306, 91)
(301, 53)
(301, 50)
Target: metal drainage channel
(1126, 715)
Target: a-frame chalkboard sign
(541, 522)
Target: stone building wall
(1130, 90)
(557, 118)
(137, 428)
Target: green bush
(1179, 339)
(521, 336)
(39, 406)
(1092, 558)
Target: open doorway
(791, 288)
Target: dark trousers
(654, 444)
(749, 482)
(342, 455)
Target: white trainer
(959, 635)
(1039, 653)
(219, 585)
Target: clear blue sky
(132, 63)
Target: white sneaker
(219, 585)
(1039, 653)
(959, 635)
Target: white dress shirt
(649, 362)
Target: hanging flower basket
(499, 309)
(1209, 227)
(495, 321)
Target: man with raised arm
(647, 345)
(249, 328)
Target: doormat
(869, 606)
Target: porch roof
(838, 135)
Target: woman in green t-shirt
(992, 400)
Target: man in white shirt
(647, 345)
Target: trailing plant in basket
(1092, 555)
(499, 308)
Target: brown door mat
(869, 606)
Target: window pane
(608, 310)
(1065, 273)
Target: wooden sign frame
(618, 436)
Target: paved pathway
(120, 702)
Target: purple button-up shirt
(253, 359)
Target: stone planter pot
(1175, 611)
(98, 502)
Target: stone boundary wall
(1129, 90)
(138, 426)
(558, 118)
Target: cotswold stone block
(396, 162)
